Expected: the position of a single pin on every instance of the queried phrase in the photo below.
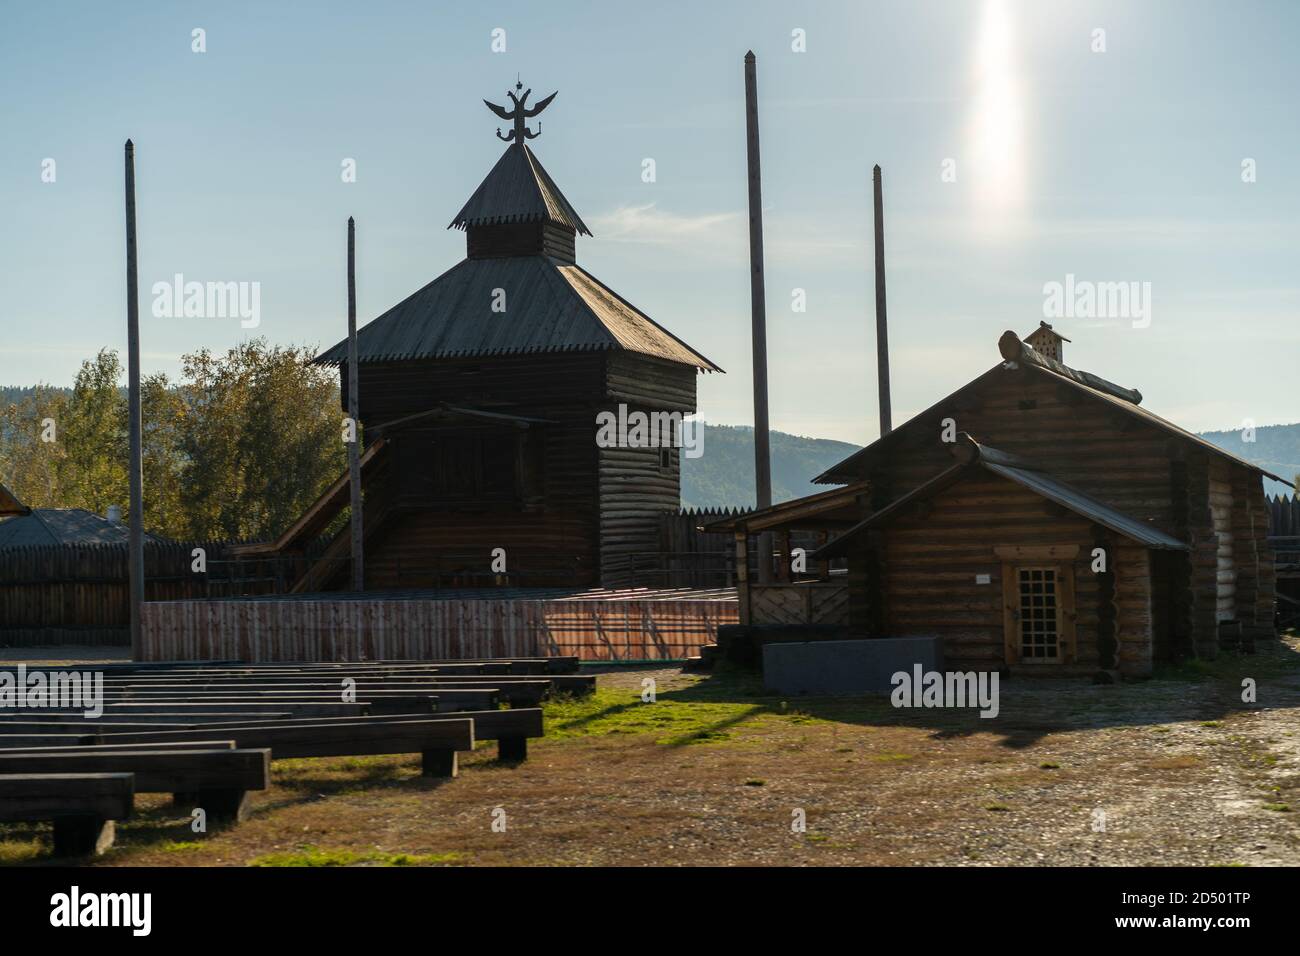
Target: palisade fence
(1284, 518)
(1284, 536)
(690, 558)
(77, 594)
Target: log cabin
(479, 396)
(1040, 520)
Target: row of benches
(207, 733)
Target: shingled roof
(9, 503)
(518, 190)
(61, 526)
(549, 307)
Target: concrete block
(843, 668)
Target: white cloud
(649, 224)
(724, 236)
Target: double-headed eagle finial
(519, 115)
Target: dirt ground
(1176, 770)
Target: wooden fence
(693, 558)
(77, 594)
(595, 625)
(1284, 516)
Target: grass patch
(316, 856)
(13, 852)
(1278, 807)
(997, 808)
(1267, 662)
(180, 846)
(706, 711)
(672, 720)
(1049, 765)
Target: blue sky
(1115, 166)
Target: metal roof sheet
(549, 307)
(518, 189)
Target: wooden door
(1038, 612)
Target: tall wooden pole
(882, 330)
(354, 449)
(135, 470)
(758, 310)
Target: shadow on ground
(1029, 707)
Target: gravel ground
(1160, 772)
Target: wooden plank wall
(595, 630)
(808, 603)
(60, 594)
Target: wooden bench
(436, 739)
(83, 807)
(474, 692)
(217, 780)
(400, 700)
(509, 728)
(101, 748)
(73, 718)
(517, 691)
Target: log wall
(601, 509)
(931, 558)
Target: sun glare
(997, 139)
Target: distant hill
(1276, 447)
(723, 476)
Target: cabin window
(665, 460)
(1039, 614)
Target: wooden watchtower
(480, 395)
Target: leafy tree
(91, 430)
(261, 439)
(238, 448)
(29, 466)
(162, 413)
